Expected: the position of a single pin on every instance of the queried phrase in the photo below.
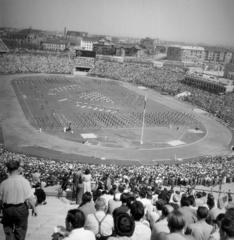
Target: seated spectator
(75, 221)
(124, 206)
(124, 226)
(162, 224)
(100, 223)
(142, 230)
(187, 212)
(87, 204)
(192, 203)
(114, 203)
(177, 224)
(215, 234)
(107, 196)
(201, 230)
(227, 226)
(213, 210)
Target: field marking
(62, 100)
(176, 143)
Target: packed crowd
(119, 211)
(206, 171)
(116, 208)
(167, 80)
(41, 63)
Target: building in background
(26, 38)
(218, 55)
(74, 37)
(104, 47)
(54, 44)
(128, 50)
(209, 83)
(88, 42)
(186, 54)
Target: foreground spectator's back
(201, 230)
(142, 231)
(106, 220)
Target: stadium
(118, 124)
(104, 119)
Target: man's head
(124, 224)
(12, 165)
(143, 193)
(202, 212)
(227, 227)
(100, 204)
(191, 200)
(124, 198)
(176, 221)
(137, 210)
(75, 219)
(184, 202)
(86, 197)
(166, 210)
(210, 202)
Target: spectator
(162, 224)
(227, 227)
(87, 180)
(87, 204)
(124, 198)
(76, 220)
(15, 193)
(115, 202)
(176, 224)
(124, 226)
(187, 212)
(142, 230)
(78, 186)
(100, 223)
(201, 230)
(215, 234)
(213, 210)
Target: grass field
(106, 109)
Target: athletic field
(66, 116)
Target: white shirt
(15, 190)
(141, 232)
(107, 224)
(81, 234)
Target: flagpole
(143, 121)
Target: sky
(197, 21)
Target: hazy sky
(207, 21)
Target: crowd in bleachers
(135, 193)
(167, 80)
(206, 171)
(121, 212)
(41, 63)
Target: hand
(34, 212)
